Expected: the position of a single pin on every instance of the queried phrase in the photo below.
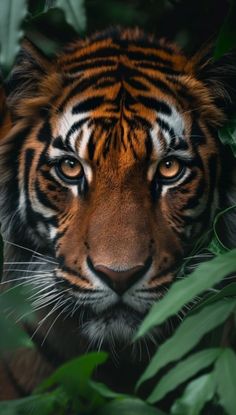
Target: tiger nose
(119, 281)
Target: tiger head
(110, 173)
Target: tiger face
(111, 173)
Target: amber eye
(170, 168)
(70, 170)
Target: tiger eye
(169, 168)
(70, 168)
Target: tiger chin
(110, 171)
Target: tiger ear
(23, 82)
(220, 78)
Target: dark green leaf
(183, 371)
(74, 12)
(196, 395)
(227, 135)
(228, 291)
(227, 37)
(129, 406)
(181, 292)
(46, 404)
(13, 13)
(188, 334)
(225, 378)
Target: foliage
(199, 360)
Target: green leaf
(227, 135)
(104, 391)
(227, 37)
(74, 375)
(46, 404)
(228, 291)
(181, 292)
(13, 13)
(187, 335)
(129, 406)
(183, 371)
(13, 336)
(225, 378)
(73, 10)
(195, 396)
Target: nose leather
(119, 281)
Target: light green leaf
(187, 335)
(181, 292)
(225, 378)
(128, 406)
(183, 371)
(196, 395)
(13, 13)
(74, 11)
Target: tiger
(111, 170)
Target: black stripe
(88, 105)
(45, 132)
(155, 104)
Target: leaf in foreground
(183, 371)
(187, 335)
(13, 13)
(182, 292)
(129, 406)
(45, 404)
(196, 395)
(225, 378)
(74, 375)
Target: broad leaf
(196, 395)
(13, 13)
(183, 371)
(129, 406)
(74, 375)
(188, 334)
(225, 378)
(181, 292)
(74, 12)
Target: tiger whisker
(31, 250)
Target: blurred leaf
(104, 391)
(74, 375)
(225, 378)
(12, 336)
(129, 406)
(1, 254)
(14, 304)
(45, 404)
(195, 396)
(73, 10)
(181, 292)
(227, 37)
(227, 134)
(182, 372)
(13, 13)
(187, 335)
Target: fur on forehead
(36, 81)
